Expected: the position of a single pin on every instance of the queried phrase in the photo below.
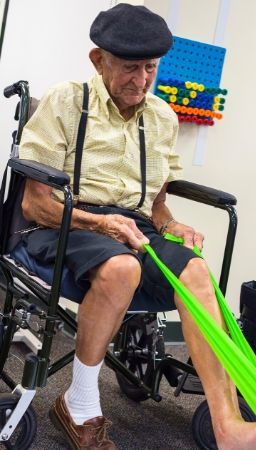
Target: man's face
(127, 81)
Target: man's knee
(196, 276)
(121, 271)
(197, 279)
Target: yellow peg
(201, 87)
(173, 98)
(193, 94)
(174, 90)
(166, 89)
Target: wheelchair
(138, 358)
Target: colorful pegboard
(192, 60)
(188, 79)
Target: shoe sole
(59, 426)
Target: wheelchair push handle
(16, 88)
(22, 89)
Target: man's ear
(96, 57)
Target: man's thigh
(85, 249)
(175, 257)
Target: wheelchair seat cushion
(86, 250)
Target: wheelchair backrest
(10, 207)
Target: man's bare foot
(236, 434)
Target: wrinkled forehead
(135, 62)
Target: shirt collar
(107, 101)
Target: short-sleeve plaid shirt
(110, 170)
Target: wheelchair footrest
(192, 385)
(189, 384)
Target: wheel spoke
(132, 366)
(139, 341)
(140, 371)
(136, 350)
(134, 338)
(142, 342)
(137, 363)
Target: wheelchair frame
(18, 308)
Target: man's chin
(128, 101)
(132, 100)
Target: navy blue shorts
(87, 249)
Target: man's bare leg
(112, 287)
(100, 315)
(78, 413)
(231, 432)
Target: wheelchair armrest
(40, 172)
(199, 193)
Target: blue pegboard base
(194, 61)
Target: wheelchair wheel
(137, 350)
(202, 424)
(24, 433)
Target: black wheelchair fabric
(87, 249)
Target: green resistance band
(232, 350)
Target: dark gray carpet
(136, 426)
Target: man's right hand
(123, 230)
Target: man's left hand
(191, 237)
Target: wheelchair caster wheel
(24, 434)
(202, 424)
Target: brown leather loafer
(89, 436)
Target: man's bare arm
(39, 206)
(160, 212)
(162, 217)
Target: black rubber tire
(142, 366)
(202, 424)
(25, 432)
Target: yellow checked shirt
(110, 170)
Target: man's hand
(190, 236)
(123, 230)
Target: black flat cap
(131, 32)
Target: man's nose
(140, 78)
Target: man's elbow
(35, 200)
(27, 210)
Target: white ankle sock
(83, 397)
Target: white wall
(46, 41)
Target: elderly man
(115, 213)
